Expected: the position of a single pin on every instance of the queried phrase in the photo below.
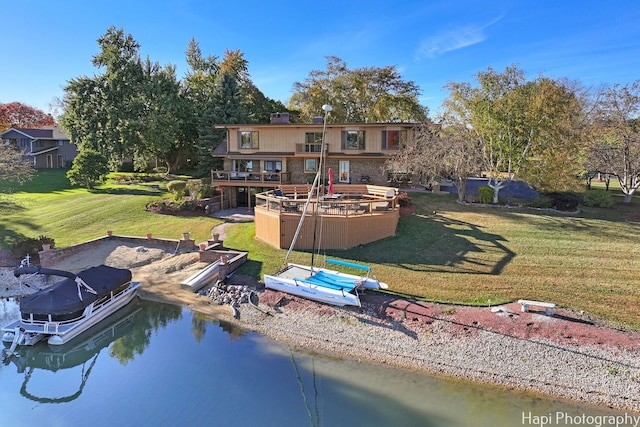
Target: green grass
(461, 254)
(49, 205)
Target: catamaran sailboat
(320, 283)
(323, 284)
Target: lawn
(446, 252)
(49, 205)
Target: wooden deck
(343, 221)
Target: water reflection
(80, 353)
(151, 319)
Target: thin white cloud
(454, 39)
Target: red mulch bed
(564, 327)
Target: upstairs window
(353, 140)
(249, 139)
(393, 139)
(312, 142)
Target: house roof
(315, 125)
(45, 132)
(37, 153)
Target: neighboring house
(47, 147)
(259, 157)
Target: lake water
(155, 364)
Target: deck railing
(338, 205)
(251, 178)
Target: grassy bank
(48, 205)
(445, 252)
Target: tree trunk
(496, 186)
(461, 184)
(496, 191)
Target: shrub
(541, 202)
(160, 170)
(564, 201)
(207, 191)
(485, 194)
(598, 199)
(188, 205)
(30, 246)
(177, 188)
(89, 169)
(194, 186)
(126, 167)
(44, 240)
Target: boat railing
(53, 327)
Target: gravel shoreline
(603, 376)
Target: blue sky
(44, 43)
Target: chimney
(318, 120)
(279, 118)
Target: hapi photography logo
(566, 419)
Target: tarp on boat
(63, 298)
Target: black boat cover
(64, 298)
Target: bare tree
(439, 152)
(12, 166)
(616, 136)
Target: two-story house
(259, 157)
(46, 147)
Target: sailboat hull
(312, 292)
(298, 280)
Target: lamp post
(326, 108)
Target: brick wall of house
(358, 168)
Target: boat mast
(327, 108)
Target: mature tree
(12, 166)
(89, 168)
(225, 107)
(260, 107)
(616, 136)
(520, 126)
(439, 152)
(368, 94)
(15, 114)
(555, 121)
(163, 131)
(134, 110)
(201, 76)
(221, 92)
(105, 113)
